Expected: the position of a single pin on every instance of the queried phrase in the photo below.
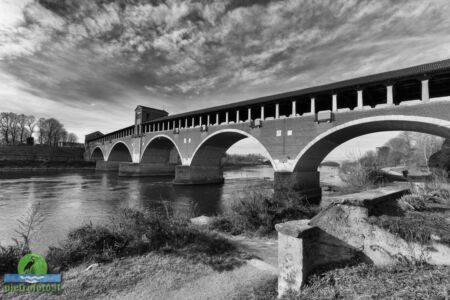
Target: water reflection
(68, 200)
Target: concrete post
(193, 122)
(237, 116)
(173, 124)
(262, 112)
(168, 125)
(294, 108)
(185, 123)
(200, 120)
(390, 95)
(313, 105)
(425, 91)
(226, 117)
(249, 114)
(179, 124)
(360, 99)
(217, 119)
(207, 120)
(293, 246)
(158, 126)
(334, 104)
(277, 111)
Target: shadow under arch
(161, 149)
(210, 151)
(309, 159)
(120, 152)
(97, 154)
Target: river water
(70, 199)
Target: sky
(89, 63)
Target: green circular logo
(32, 263)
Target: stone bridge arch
(305, 177)
(120, 152)
(205, 164)
(97, 154)
(159, 157)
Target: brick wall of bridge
(285, 138)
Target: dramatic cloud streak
(111, 55)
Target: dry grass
(427, 213)
(368, 282)
(152, 276)
(257, 214)
(136, 233)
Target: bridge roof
(423, 71)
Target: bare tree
(31, 124)
(21, 124)
(4, 126)
(72, 138)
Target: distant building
(145, 114)
(92, 136)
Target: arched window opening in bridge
(255, 112)
(374, 95)
(302, 105)
(269, 111)
(347, 100)
(222, 118)
(439, 86)
(232, 116)
(407, 90)
(285, 108)
(323, 102)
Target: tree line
(17, 128)
(411, 149)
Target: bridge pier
(188, 175)
(101, 165)
(145, 169)
(298, 185)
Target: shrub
(358, 176)
(134, 232)
(86, 244)
(259, 212)
(9, 257)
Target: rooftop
(406, 73)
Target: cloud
(186, 54)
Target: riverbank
(155, 276)
(8, 166)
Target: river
(70, 199)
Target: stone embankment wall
(40, 153)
